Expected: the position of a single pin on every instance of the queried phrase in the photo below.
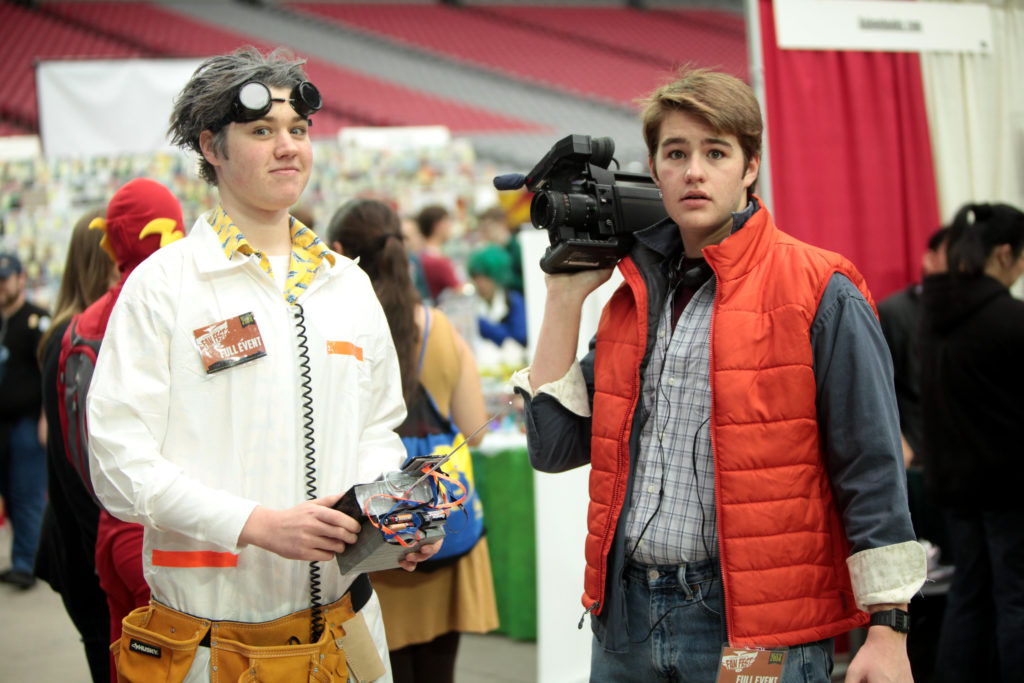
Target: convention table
(504, 480)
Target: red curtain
(850, 155)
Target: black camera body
(589, 211)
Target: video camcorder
(589, 211)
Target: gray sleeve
(858, 419)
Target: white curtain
(108, 107)
(975, 108)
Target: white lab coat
(190, 454)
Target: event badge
(229, 343)
(750, 665)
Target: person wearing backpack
(453, 592)
(66, 558)
(141, 217)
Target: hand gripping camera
(589, 211)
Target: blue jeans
(983, 626)
(23, 487)
(676, 628)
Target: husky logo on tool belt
(144, 648)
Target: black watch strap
(896, 619)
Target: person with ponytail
(424, 611)
(972, 372)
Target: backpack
(74, 374)
(425, 432)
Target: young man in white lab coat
(246, 380)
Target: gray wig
(205, 101)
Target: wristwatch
(896, 619)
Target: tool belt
(159, 644)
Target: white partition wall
(108, 107)
(563, 651)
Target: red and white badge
(751, 665)
(229, 343)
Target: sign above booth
(883, 26)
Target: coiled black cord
(316, 626)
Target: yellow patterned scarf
(308, 252)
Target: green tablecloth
(504, 480)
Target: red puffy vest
(782, 545)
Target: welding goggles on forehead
(253, 101)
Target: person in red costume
(141, 217)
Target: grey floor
(39, 644)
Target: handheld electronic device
(407, 509)
(402, 506)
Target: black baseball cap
(10, 264)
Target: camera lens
(545, 211)
(554, 209)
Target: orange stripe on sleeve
(342, 348)
(195, 558)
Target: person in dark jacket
(900, 316)
(899, 313)
(972, 371)
(22, 457)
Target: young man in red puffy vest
(737, 411)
